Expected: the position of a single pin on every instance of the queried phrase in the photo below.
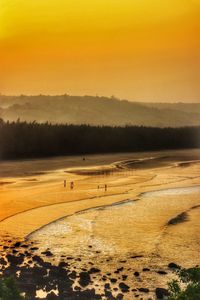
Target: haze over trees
(97, 111)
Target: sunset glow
(136, 49)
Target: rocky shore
(39, 276)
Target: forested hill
(97, 111)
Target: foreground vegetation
(9, 290)
(24, 140)
(187, 287)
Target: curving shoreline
(102, 228)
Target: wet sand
(133, 225)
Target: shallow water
(107, 228)
(173, 192)
(123, 227)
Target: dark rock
(173, 266)
(2, 261)
(143, 290)
(94, 270)
(107, 286)
(47, 253)
(119, 297)
(5, 247)
(63, 264)
(27, 254)
(58, 273)
(136, 274)
(161, 272)
(136, 256)
(124, 277)
(49, 286)
(37, 259)
(161, 293)
(46, 265)
(113, 280)
(52, 296)
(88, 295)
(24, 246)
(34, 248)
(72, 275)
(84, 279)
(15, 260)
(64, 286)
(120, 269)
(17, 244)
(123, 287)
(30, 261)
(109, 295)
(146, 270)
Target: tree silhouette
(23, 140)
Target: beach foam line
(100, 207)
(123, 202)
(172, 191)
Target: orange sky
(146, 50)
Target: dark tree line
(26, 140)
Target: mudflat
(127, 215)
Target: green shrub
(187, 287)
(9, 290)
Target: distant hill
(97, 111)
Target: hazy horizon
(102, 96)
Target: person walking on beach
(105, 187)
(65, 183)
(72, 185)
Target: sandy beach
(146, 217)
